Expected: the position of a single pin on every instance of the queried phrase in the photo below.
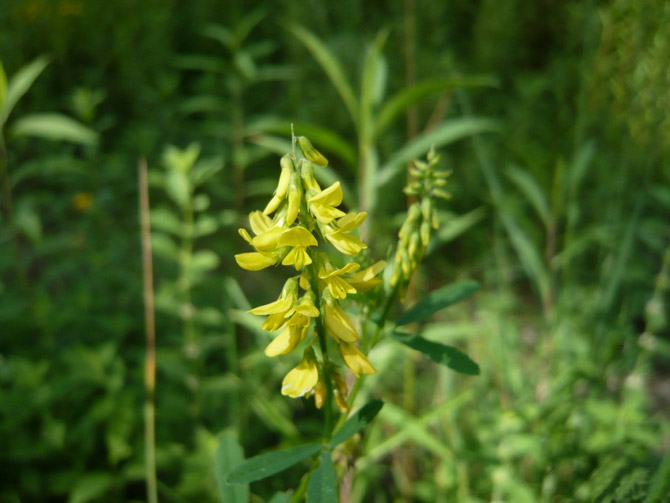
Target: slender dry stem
(150, 328)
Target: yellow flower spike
(324, 204)
(356, 360)
(338, 323)
(366, 280)
(299, 239)
(282, 187)
(287, 298)
(303, 378)
(338, 287)
(255, 261)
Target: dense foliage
(552, 116)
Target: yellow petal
(281, 305)
(327, 271)
(351, 221)
(346, 243)
(301, 380)
(284, 343)
(274, 322)
(338, 323)
(332, 196)
(267, 241)
(298, 257)
(339, 288)
(272, 205)
(245, 235)
(254, 261)
(356, 360)
(259, 222)
(365, 280)
(297, 236)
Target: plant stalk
(150, 330)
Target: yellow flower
(338, 323)
(294, 198)
(337, 232)
(308, 178)
(255, 261)
(319, 393)
(324, 204)
(267, 232)
(306, 305)
(287, 298)
(282, 187)
(303, 378)
(338, 287)
(289, 339)
(356, 360)
(365, 280)
(299, 239)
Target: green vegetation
(553, 119)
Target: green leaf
(322, 487)
(221, 34)
(205, 169)
(228, 455)
(90, 487)
(399, 102)
(371, 88)
(438, 300)
(260, 467)
(356, 422)
(447, 132)
(19, 84)
(533, 192)
(55, 127)
(439, 353)
(330, 65)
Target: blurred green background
(555, 120)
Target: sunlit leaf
(19, 84)
(55, 127)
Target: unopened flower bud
(311, 153)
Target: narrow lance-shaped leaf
(396, 105)
(447, 132)
(55, 127)
(228, 455)
(330, 65)
(19, 84)
(356, 422)
(437, 300)
(260, 467)
(439, 353)
(322, 487)
(533, 192)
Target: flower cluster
(292, 229)
(422, 221)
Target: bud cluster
(427, 186)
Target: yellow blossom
(356, 360)
(255, 261)
(294, 198)
(306, 305)
(338, 287)
(267, 232)
(302, 379)
(299, 239)
(338, 323)
(366, 279)
(287, 298)
(337, 232)
(289, 339)
(323, 205)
